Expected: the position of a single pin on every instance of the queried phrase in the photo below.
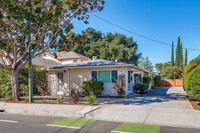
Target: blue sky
(162, 20)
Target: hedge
(40, 84)
(157, 81)
(192, 83)
(92, 88)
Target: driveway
(165, 106)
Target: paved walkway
(48, 109)
(167, 106)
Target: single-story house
(63, 78)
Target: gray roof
(98, 62)
(40, 61)
(70, 54)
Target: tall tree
(47, 19)
(186, 58)
(181, 55)
(172, 55)
(107, 46)
(146, 64)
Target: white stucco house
(64, 77)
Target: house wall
(73, 78)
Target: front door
(60, 82)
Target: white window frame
(104, 70)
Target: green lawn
(137, 128)
(73, 122)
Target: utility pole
(30, 77)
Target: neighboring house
(62, 57)
(63, 78)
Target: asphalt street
(11, 123)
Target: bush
(192, 84)
(146, 80)
(40, 84)
(157, 81)
(92, 88)
(119, 85)
(5, 85)
(141, 88)
(90, 98)
(192, 65)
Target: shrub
(90, 98)
(146, 80)
(192, 84)
(140, 88)
(59, 100)
(5, 85)
(192, 65)
(119, 85)
(92, 88)
(157, 81)
(39, 82)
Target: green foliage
(39, 82)
(179, 54)
(59, 100)
(107, 46)
(192, 83)
(171, 72)
(141, 88)
(119, 85)
(157, 81)
(47, 20)
(5, 85)
(92, 88)
(186, 58)
(172, 55)
(146, 80)
(90, 98)
(192, 65)
(146, 64)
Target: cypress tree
(178, 54)
(181, 55)
(172, 55)
(186, 58)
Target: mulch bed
(195, 104)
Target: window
(129, 76)
(107, 76)
(75, 61)
(104, 76)
(94, 75)
(114, 75)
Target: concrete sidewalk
(167, 106)
(148, 115)
(48, 109)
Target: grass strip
(137, 128)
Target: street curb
(118, 132)
(50, 125)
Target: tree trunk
(15, 84)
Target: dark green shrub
(90, 98)
(192, 83)
(157, 81)
(92, 88)
(146, 80)
(141, 88)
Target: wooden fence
(172, 82)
